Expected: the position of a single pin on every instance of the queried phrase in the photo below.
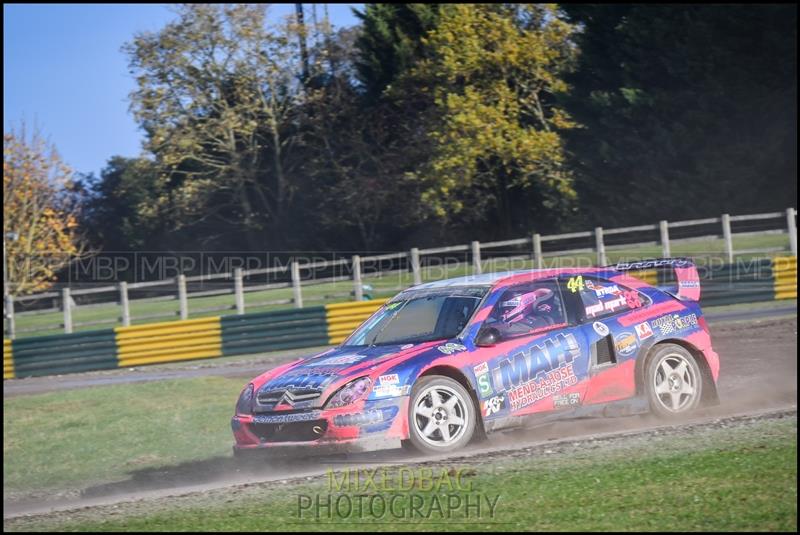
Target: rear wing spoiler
(687, 280)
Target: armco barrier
(8, 359)
(169, 341)
(784, 269)
(212, 337)
(65, 353)
(343, 318)
(269, 331)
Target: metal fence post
(125, 304)
(182, 298)
(476, 258)
(792, 226)
(238, 290)
(9, 303)
(297, 291)
(601, 247)
(537, 250)
(664, 228)
(66, 305)
(358, 289)
(727, 236)
(415, 266)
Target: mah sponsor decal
(391, 379)
(338, 360)
(545, 384)
(544, 356)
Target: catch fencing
(215, 337)
(309, 284)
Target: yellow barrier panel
(784, 270)
(343, 318)
(169, 341)
(8, 359)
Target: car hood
(330, 370)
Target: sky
(64, 73)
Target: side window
(600, 298)
(528, 308)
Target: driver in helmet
(523, 312)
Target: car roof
(503, 278)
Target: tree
(41, 205)
(494, 72)
(122, 212)
(682, 103)
(217, 90)
(390, 43)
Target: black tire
(673, 381)
(452, 415)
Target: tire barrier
(65, 353)
(8, 359)
(343, 318)
(213, 337)
(785, 271)
(270, 331)
(169, 341)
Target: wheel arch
(710, 396)
(458, 376)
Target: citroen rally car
(446, 361)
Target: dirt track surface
(758, 375)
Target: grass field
(738, 477)
(384, 286)
(77, 438)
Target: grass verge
(61, 440)
(717, 477)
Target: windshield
(420, 316)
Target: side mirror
(487, 337)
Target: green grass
(384, 286)
(75, 438)
(740, 477)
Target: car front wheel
(441, 415)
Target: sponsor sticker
(600, 328)
(625, 343)
(391, 379)
(643, 331)
(341, 359)
(483, 378)
(493, 405)
(673, 323)
(568, 400)
(384, 391)
(286, 418)
(450, 348)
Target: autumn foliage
(40, 214)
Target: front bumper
(365, 426)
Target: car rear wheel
(673, 381)
(441, 415)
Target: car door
(541, 358)
(594, 305)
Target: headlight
(350, 393)
(245, 403)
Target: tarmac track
(758, 376)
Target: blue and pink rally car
(445, 362)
